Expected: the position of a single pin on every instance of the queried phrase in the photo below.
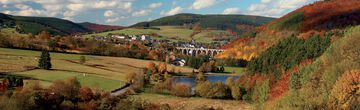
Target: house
(145, 38)
(118, 36)
(134, 38)
(179, 62)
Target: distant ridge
(99, 27)
(220, 22)
(34, 25)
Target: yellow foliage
(345, 90)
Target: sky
(128, 12)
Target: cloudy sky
(127, 12)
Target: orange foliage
(307, 35)
(318, 15)
(162, 68)
(280, 87)
(85, 94)
(325, 15)
(251, 81)
(237, 42)
(345, 91)
(152, 66)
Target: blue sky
(127, 12)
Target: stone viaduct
(198, 51)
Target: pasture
(106, 73)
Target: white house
(118, 37)
(134, 38)
(145, 38)
(179, 62)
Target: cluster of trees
(196, 61)
(219, 90)
(157, 73)
(70, 95)
(289, 53)
(11, 82)
(211, 66)
(204, 63)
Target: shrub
(351, 50)
(203, 88)
(295, 81)
(159, 88)
(261, 92)
(69, 88)
(136, 80)
(85, 94)
(200, 77)
(345, 91)
(82, 59)
(217, 90)
(181, 90)
(237, 92)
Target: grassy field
(207, 36)
(102, 72)
(172, 33)
(231, 70)
(179, 103)
(11, 32)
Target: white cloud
(173, 11)
(22, 6)
(155, 5)
(141, 13)
(231, 11)
(200, 4)
(109, 13)
(276, 8)
(75, 6)
(116, 19)
(7, 12)
(69, 14)
(111, 20)
(265, 1)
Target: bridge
(198, 51)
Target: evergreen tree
(45, 60)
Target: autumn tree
(152, 67)
(181, 90)
(162, 68)
(345, 91)
(69, 88)
(85, 94)
(44, 35)
(52, 44)
(45, 60)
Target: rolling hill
(35, 25)
(218, 22)
(301, 22)
(318, 17)
(307, 59)
(99, 27)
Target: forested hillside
(35, 25)
(99, 28)
(308, 59)
(303, 22)
(239, 23)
